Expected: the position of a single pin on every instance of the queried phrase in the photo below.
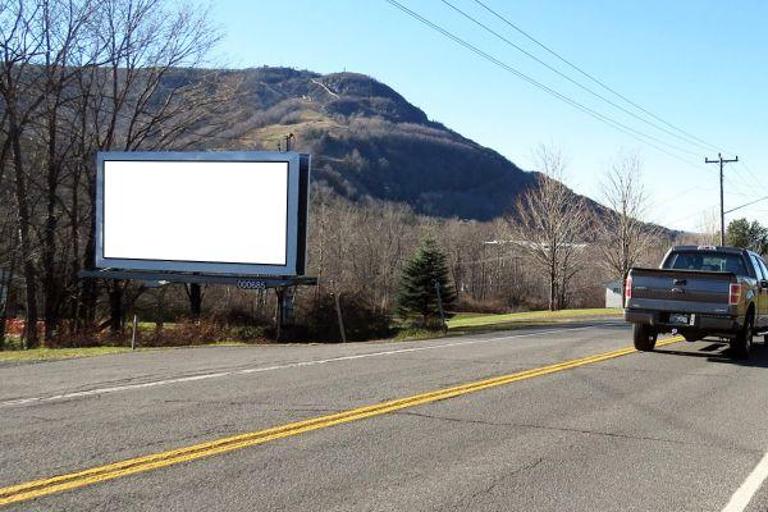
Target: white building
(613, 294)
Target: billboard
(241, 213)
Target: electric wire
(751, 173)
(593, 78)
(576, 83)
(746, 204)
(636, 134)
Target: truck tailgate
(691, 291)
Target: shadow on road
(758, 358)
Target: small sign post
(134, 330)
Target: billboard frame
(296, 224)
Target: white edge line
(744, 494)
(164, 382)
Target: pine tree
(418, 285)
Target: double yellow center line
(38, 488)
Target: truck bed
(683, 291)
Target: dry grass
(54, 354)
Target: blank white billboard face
(196, 211)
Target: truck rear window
(711, 261)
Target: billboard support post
(195, 300)
(284, 317)
(116, 307)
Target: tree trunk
(552, 287)
(116, 307)
(50, 283)
(3, 308)
(50, 287)
(23, 218)
(195, 300)
(75, 247)
(89, 291)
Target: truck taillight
(734, 294)
(627, 290)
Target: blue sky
(700, 65)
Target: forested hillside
(367, 141)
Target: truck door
(763, 304)
(761, 314)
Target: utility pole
(288, 139)
(722, 162)
(195, 300)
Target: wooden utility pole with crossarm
(722, 162)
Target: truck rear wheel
(741, 345)
(644, 337)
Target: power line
(746, 204)
(752, 174)
(737, 187)
(708, 210)
(636, 134)
(593, 78)
(576, 83)
(668, 197)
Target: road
(682, 428)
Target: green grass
(464, 323)
(53, 354)
(469, 321)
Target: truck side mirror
(764, 283)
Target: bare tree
(549, 226)
(20, 46)
(141, 98)
(708, 228)
(8, 256)
(76, 77)
(622, 236)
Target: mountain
(367, 141)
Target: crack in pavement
(575, 430)
(659, 372)
(497, 481)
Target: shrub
(362, 321)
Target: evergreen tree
(418, 290)
(753, 236)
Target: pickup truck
(699, 291)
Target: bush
(200, 332)
(362, 321)
(470, 304)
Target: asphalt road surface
(489, 422)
